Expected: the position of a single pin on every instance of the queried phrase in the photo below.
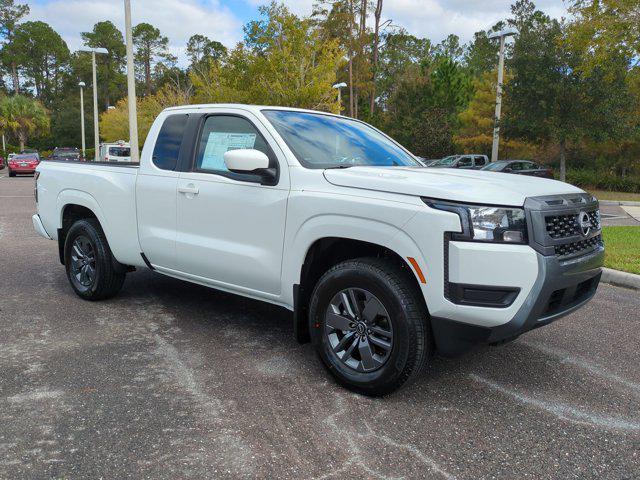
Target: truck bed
(108, 189)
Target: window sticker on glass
(219, 143)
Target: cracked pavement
(173, 380)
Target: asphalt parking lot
(172, 380)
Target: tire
(12, 174)
(390, 309)
(106, 279)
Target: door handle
(189, 190)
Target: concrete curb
(621, 279)
(619, 203)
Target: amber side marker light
(416, 267)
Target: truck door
(230, 226)
(156, 193)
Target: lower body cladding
(559, 287)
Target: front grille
(581, 246)
(555, 228)
(564, 226)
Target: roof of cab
(241, 106)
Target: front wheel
(90, 265)
(369, 325)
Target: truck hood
(465, 186)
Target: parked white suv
(381, 261)
(119, 151)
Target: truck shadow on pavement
(174, 380)
(259, 337)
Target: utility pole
(502, 35)
(131, 85)
(82, 85)
(96, 132)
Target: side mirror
(245, 160)
(253, 162)
(507, 170)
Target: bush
(603, 181)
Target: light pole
(131, 85)
(502, 35)
(82, 85)
(96, 132)
(339, 87)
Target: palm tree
(23, 117)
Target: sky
(222, 20)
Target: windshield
(446, 160)
(325, 141)
(494, 166)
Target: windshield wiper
(338, 166)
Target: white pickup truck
(383, 262)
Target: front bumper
(557, 273)
(560, 288)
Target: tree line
(571, 93)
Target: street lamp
(502, 35)
(96, 132)
(339, 87)
(82, 85)
(131, 85)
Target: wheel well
(71, 214)
(324, 254)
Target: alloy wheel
(83, 262)
(359, 329)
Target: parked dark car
(467, 161)
(520, 167)
(66, 154)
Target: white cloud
(436, 19)
(176, 19)
(179, 19)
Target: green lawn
(622, 246)
(604, 195)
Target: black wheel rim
(359, 330)
(83, 262)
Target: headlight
(487, 224)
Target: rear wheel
(369, 325)
(90, 265)
(12, 174)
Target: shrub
(603, 181)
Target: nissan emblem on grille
(585, 223)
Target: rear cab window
(119, 151)
(169, 141)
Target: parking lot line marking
(562, 411)
(565, 357)
(353, 448)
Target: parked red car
(23, 163)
